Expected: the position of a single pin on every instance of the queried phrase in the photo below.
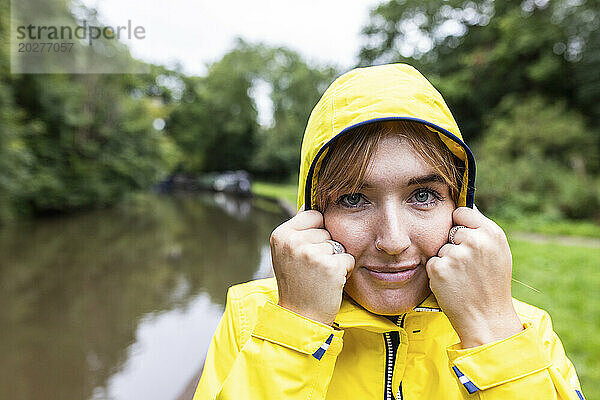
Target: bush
(538, 158)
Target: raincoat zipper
(392, 341)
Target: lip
(392, 273)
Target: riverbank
(283, 193)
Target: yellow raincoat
(263, 351)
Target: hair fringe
(344, 167)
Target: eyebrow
(420, 180)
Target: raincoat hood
(379, 93)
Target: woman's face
(392, 226)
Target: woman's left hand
(471, 280)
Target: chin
(389, 301)
(392, 309)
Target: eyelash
(437, 196)
(434, 193)
(340, 200)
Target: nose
(393, 234)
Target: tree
(476, 52)
(14, 156)
(74, 141)
(215, 123)
(296, 88)
(216, 126)
(537, 157)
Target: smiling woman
(396, 220)
(369, 299)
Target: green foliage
(74, 141)
(476, 52)
(78, 141)
(296, 88)
(538, 158)
(13, 153)
(215, 124)
(216, 127)
(87, 145)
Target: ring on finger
(338, 248)
(453, 232)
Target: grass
(549, 227)
(568, 278)
(285, 191)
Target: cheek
(434, 234)
(348, 231)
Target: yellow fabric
(392, 91)
(263, 351)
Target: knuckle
(275, 234)
(275, 237)
(494, 232)
(458, 212)
(351, 260)
(307, 256)
(341, 269)
(345, 261)
(431, 263)
(499, 232)
(445, 248)
(463, 253)
(320, 235)
(314, 215)
(432, 269)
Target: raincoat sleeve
(529, 365)
(263, 351)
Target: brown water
(122, 303)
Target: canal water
(121, 303)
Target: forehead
(395, 161)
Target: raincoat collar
(352, 315)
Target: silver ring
(453, 231)
(338, 248)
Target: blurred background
(130, 202)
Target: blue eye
(422, 196)
(426, 197)
(351, 200)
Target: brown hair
(345, 165)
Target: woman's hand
(310, 277)
(471, 280)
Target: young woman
(389, 283)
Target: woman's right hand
(310, 277)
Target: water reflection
(121, 303)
